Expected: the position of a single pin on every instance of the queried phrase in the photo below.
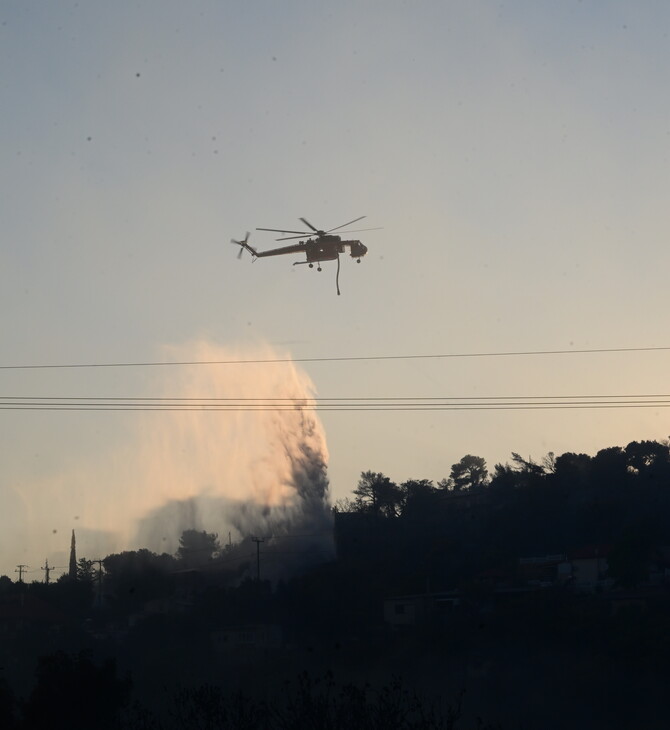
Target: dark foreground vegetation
(100, 699)
(537, 596)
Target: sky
(515, 156)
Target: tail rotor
(244, 244)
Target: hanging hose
(337, 277)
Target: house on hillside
(589, 567)
(412, 610)
(544, 571)
(245, 642)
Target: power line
(355, 404)
(348, 358)
(322, 399)
(494, 407)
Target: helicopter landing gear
(358, 261)
(318, 268)
(311, 266)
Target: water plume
(239, 473)
(259, 472)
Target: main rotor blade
(307, 235)
(360, 230)
(309, 225)
(342, 226)
(283, 230)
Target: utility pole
(47, 569)
(258, 541)
(98, 580)
(21, 569)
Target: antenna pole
(20, 569)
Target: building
(589, 567)
(412, 610)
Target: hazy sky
(516, 155)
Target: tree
(573, 468)
(197, 548)
(504, 478)
(136, 576)
(527, 466)
(85, 570)
(610, 466)
(549, 463)
(469, 472)
(345, 505)
(420, 497)
(377, 494)
(645, 456)
(74, 693)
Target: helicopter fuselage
(321, 248)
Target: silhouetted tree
(377, 494)
(344, 505)
(527, 466)
(469, 472)
(573, 468)
(610, 466)
(549, 463)
(420, 497)
(504, 478)
(136, 576)
(649, 459)
(85, 570)
(72, 571)
(197, 548)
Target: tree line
(611, 467)
(475, 520)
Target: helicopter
(320, 245)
